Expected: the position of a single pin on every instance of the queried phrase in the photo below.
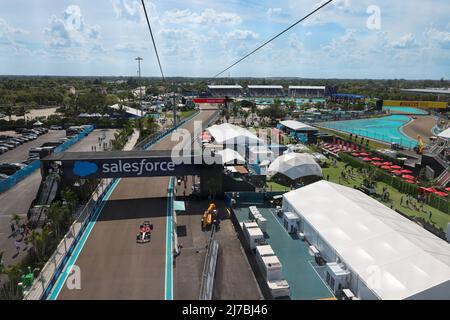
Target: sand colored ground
(421, 126)
(34, 113)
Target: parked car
(25, 138)
(7, 145)
(10, 168)
(3, 176)
(31, 136)
(14, 143)
(3, 150)
(51, 144)
(20, 141)
(56, 128)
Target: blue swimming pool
(387, 129)
(405, 110)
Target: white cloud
(273, 12)
(405, 42)
(441, 37)
(127, 9)
(71, 30)
(206, 17)
(295, 43)
(10, 34)
(242, 35)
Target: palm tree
(10, 289)
(39, 241)
(16, 218)
(70, 198)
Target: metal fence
(12, 180)
(209, 268)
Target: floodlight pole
(139, 59)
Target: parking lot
(17, 200)
(20, 153)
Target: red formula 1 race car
(145, 231)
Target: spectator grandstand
(225, 91)
(265, 91)
(307, 91)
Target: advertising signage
(416, 104)
(131, 167)
(209, 100)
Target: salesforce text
(137, 167)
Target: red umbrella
(397, 172)
(355, 154)
(377, 164)
(396, 167)
(376, 159)
(447, 189)
(441, 194)
(407, 177)
(410, 181)
(366, 159)
(386, 167)
(406, 171)
(364, 154)
(387, 163)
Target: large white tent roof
(297, 125)
(445, 134)
(369, 237)
(295, 165)
(230, 156)
(132, 111)
(227, 133)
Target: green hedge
(435, 201)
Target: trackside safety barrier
(50, 273)
(12, 180)
(209, 268)
(162, 136)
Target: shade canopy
(230, 156)
(227, 133)
(297, 125)
(295, 165)
(445, 134)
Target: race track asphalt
(112, 264)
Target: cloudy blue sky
(349, 39)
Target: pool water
(405, 110)
(387, 129)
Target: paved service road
(18, 199)
(112, 264)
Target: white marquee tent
(445, 134)
(258, 154)
(227, 133)
(389, 256)
(295, 165)
(297, 125)
(230, 156)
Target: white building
(380, 254)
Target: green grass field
(438, 218)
